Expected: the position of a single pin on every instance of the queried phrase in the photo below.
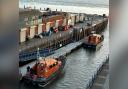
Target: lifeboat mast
(38, 54)
(39, 57)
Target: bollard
(90, 82)
(93, 78)
(87, 86)
(98, 70)
(95, 74)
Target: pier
(64, 51)
(62, 38)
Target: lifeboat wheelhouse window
(51, 66)
(56, 63)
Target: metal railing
(26, 56)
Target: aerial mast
(38, 54)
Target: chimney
(24, 6)
(34, 7)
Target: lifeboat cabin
(93, 41)
(44, 71)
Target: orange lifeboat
(44, 71)
(93, 41)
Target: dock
(65, 37)
(62, 51)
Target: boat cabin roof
(49, 61)
(97, 35)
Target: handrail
(25, 56)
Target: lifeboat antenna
(38, 54)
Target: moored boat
(93, 41)
(44, 71)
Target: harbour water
(80, 67)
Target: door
(40, 28)
(23, 35)
(32, 32)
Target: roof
(49, 61)
(29, 13)
(96, 35)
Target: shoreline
(67, 8)
(79, 4)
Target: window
(54, 64)
(50, 66)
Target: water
(79, 6)
(80, 67)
